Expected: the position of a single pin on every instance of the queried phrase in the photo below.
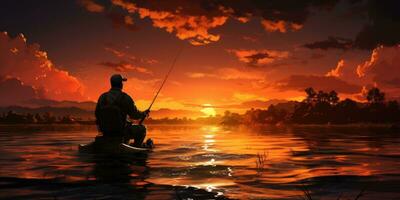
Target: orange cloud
(362, 69)
(31, 66)
(186, 27)
(259, 57)
(193, 28)
(338, 71)
(382, 69)
(280, 26)
(91, 6)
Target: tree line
(323, 108)
(12, 117)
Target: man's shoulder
(102, 96)
(126, 96)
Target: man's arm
(132, 110)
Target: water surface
(237, 162)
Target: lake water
(203, 162)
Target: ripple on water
(44, 163)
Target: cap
(117, 78)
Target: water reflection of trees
(317, 137)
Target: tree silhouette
(375, 96)
(333, 97)
(311, 94)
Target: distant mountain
(89, 114)
(85, 105)
(56, 111)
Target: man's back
(112, 109)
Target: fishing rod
(162, 84)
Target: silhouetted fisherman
(112, 110)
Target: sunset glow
(271, 58)
(208, 110)
(200, 99)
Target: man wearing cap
(112, 110)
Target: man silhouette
(112, 110)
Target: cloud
(117, 53)
(382, 67)
(193, 20)
(30, 65)
(326, 83)
(126, 55)
(383, 27)
(259, 57)
(122, 21)
(331, 43)
(14, 92)
(186, 27)
(91, 6)
(193, 28)
(338, 71)
(228, 73)
(124, 66)
(280, 26)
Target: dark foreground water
(203, 162)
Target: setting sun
(208, 110)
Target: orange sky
(235, 54)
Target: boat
(110, 145)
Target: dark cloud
(274, 10)
(255, 58)
(383, 27)
(331, 43)
(326, 83)
(13, 92)
(259, 57)
(124, 66)
(122, 21)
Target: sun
(208, 110)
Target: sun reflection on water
(216, 159)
